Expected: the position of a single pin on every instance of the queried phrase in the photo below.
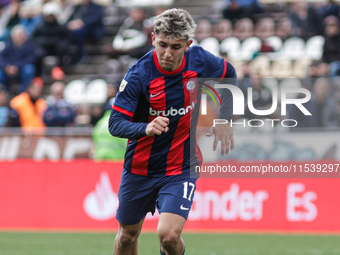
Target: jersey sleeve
(217, 68)
(226, 111)
(214, 67)
(130, 91)
(120, 126)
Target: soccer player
(157, 109)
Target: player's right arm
(120, 126)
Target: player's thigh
(130, 231)
(170, 226)
(136, 197)
(176, 195)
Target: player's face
(170, 52)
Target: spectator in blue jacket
(59, 112)
(30, 16)
(17, 59)
(85, 22)
(331, 7)
(238, 9)
(306, 22)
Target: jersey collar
(166, 72)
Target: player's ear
(189, 42)
(153, 36)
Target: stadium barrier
(82, 195)
(259, 145)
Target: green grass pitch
(52, 243)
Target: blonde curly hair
(175, 24)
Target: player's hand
(157, 126)
(224, 133)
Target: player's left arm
(226, 74)
(223, 130)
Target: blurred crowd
(282, 45)
(41, 39)
(295, 44)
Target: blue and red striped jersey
(148, 91)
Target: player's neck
(177, 66)
(174, 70)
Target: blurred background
(62, 61)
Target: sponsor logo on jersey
(172, 111)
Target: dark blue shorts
(139, 195)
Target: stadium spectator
(66, 10)
(83, 116)
(265, 28)
(305, 20)
(106, 145)
(261, 96)
(326, 104)
(8, 116)
(17, 59)
(331, 49)
(30, 15)
(237, 9)
(96, 113)
(148, 23)
(112, 90)
(303, 121)
(48, 33)
(244, 28)
(4, 16)
(131, 38)
(222, 29)
(31, 107)
(322, 106)
(85, 23)
(244, 83)
(329, 8)
(59, 112)
(203, 30)
(284, 28)
(10, 18)
(317, 69)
